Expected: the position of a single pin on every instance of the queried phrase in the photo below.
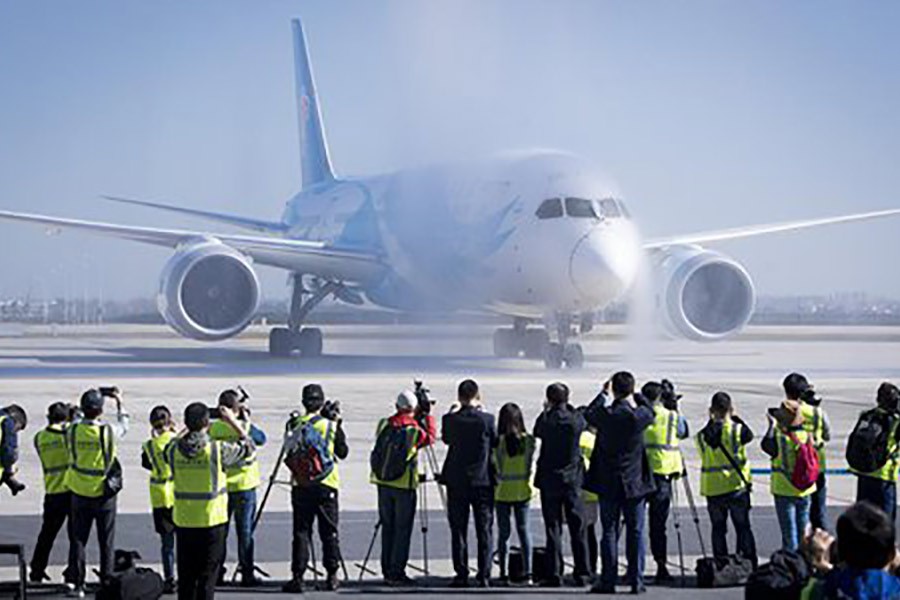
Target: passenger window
(580, 208)
(609, 208)
(550, 209)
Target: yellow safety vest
(586, 443)
(50, 444)
(814, 424)
(200, 489)
(514, 472)
(92, 448)
(243, 476)
(717, 475)
(162, 487)
(783, 465)
(325, 427)
(410, 479)
(661, 442)
(891, 469)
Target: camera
(810, 397)
(331, 410)
(108, 391)
(668, 396)
(423, 396)
(214, 412)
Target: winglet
(315, 163)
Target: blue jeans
(506, 510)
(882, 494)
(167, 547)
(818, 510)
(611, 513)
(793, 517)
(242, 507)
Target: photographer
(879, 486)
(725, 476)
(815, 423)
(316, 483)
(12, 420)
(243, 479)
(395, 471)
(162, 488)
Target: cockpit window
(550, 209)
(624, 210)
(580, 208)
(609, 208)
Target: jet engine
(208, 291)
(701, 295)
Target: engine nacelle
(701, 295)
(208, 291)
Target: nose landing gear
(534, 342)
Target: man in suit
(468, 475)
(621, 476)
(560, 474)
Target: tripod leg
(363, 569)
(423, 518)
(677, 523)
(694, 515)
(262, 505)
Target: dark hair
(652, 391)
(795, 385)
(865, 537)
(230, 399)
(511, 427)
(312, 397)
(58, 412)
(196, 416)
(160, 414)
(557, 393)
(888, 396)
(467, 391)
(17, 414)
(720, 404)
(622, 384)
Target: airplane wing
(720, 235)
(243, 222)
(317, 258)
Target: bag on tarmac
(392, 454)
(723, 571)
(782, 578)
(867, 447)
(309, 458)
(540, 564)
(806, 467)
(129, 582)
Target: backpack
(309, 458)
(129, 582)
(782, 578)
(867, 447)
(806, 467)
(392, 454)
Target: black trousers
(315, 503)
(199, 555)
(481, 501)
(86, 512)
(736, 505)
(397, 511)
(659, 503)
(555, 505)
(56, 513)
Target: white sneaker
(75, 592)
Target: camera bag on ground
(723, 571)
(540, 564)
(129, 582)
(867, 447)
(392, 453)
(308, 457)
(782, 578)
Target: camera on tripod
(423, 397)
(668, 396)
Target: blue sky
(708, 114)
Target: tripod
(688, 492)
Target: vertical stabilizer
(314, 161)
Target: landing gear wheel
(535, 343)
(309, 341)
(553, 356)
(573, 356)
(505, 343)
(281, 342)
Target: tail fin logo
(304, 105)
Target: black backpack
(392, 453)
(867, 447)
(129, 582)
(782, 578)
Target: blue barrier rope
(768, 471)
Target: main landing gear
(534, 342)
(283, 341)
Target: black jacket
(619, 466)
(559, 464)
(471, 435)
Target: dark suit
(621, 476)
(559, 476)
(468, 474)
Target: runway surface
(366, 366)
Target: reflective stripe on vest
(717, 475)
(586, 444)
(245, 475)
(783, 465)
(162, 488)
(201, 498)
(814, 424)
(91, 450)
(50, 444)
(514, 472)
(661, 442)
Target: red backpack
(806, 468)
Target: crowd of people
(598, 469)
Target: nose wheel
(571, 355)
(534, 342)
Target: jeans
(882, 494)
(611, 512)
(555, 505)
(481, 501)
(165, 528)
(659, 503)
(736, 504)
(242, 507)
(200, 552)
(505, 511)
(56, 514)
(397, 513)
(315, 503)
(85, 512)
(793, 516)
(818, 510)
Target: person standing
(514, 460)
(879, 487)
(50, 444)
(411, 428)
(815, 423)
(243, 479)
(661, 441)
(559, 477)
(782, 443)
(316, 500)
(91, 446)
(469, 477)
(725, 476)
(200, 510)
(620, 475)
(162, 488)
(591, 501)
(13, 419)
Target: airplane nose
(603, 265)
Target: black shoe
(38, 576)
(503, 581)
(482, 583)
(294, 586)
(638, 589)
(459, 582)
(600, 588)
(221, 580)
(332, 583)
(581, 580)
(250, 580)
(169, 587)
(663, 575)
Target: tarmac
(366, 366)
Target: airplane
(536, 236)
